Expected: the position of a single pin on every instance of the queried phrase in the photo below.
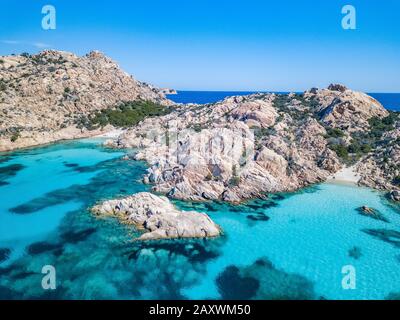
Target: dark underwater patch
(277, 197)
(389, 236)
(4, 254)
(86, 169)
(269, 204)
(355, 253)
(100, 187)
(77, 236)
(6, 293)
(70, 237)
(210, 207)
(42, 247)
(9, 171)
(36, 205)
(393, 296)
(262, 280)
(253, 206)
(258, 217)
(6, 157)
(374, 214)
(5, 271)
(194, 250)
(196, 206)
(233, 286)
(237, 209)
(23, 275)
(71, 165)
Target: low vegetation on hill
(43, 96)
(362, 142)
(124, 115)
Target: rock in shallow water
(158, 216)
(4, 254)
(395, 195)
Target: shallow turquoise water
(291, 246)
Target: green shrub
(14, 137)
(396, 181)
(334, 133)
(125, 115)
(354, 147)
(197, 127)
(263, 132)
(366, 148)
(340, 150)
(234, 181)
(379, 126)
(3, 86)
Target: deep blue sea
(390, 101)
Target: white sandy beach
(114, 133)
(346, 175)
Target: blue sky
(284, 45)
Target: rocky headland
(158, 217)
(249, 146)
(46, 97)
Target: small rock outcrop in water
(355, 253)
(368, 211)
(395, 195)
(158, 216)
(371, 213)
(43, 96)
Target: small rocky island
(158, 217)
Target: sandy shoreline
(67, 134)
(115, 133)
(346, 175)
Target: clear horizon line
(272, 91)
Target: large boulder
(158, 217)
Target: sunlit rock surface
(158, 217)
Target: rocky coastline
(45, 97)
(250, 146)
(241, 148)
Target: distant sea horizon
(390, 101)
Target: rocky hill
(249, 146)
(43, 97)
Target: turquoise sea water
(292, 246)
